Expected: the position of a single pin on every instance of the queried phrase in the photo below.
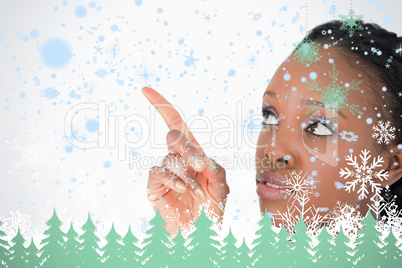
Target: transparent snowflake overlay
(306, 52)
(350, 22)
(87, 190)
(334, 96)
(34, 155)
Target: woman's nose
(283, 160)
(280, 159)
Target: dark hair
(384, 66)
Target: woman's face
(305, 133)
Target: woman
(322, 140)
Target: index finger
(169, 113)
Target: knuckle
(170, 158)
(153, 170)
(173, 136)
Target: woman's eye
(320, 129)
(269, 118)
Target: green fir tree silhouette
(229, 251)
(3, 248)
(263, 252)
(243, 255)
(17, 251)
(72, 247)
(299, 253)
(156, 251)
(88, 256)
(368, 244)
(204, 249)
(112, 250)
(342, 253)
(282, 249)
(179, 251)
(130, 253)
(52, 251)
(33, 261)
(391, 253)
(325, 249)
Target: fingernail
(200, 194)
(199, 162)
(213, 167)
(180, 185)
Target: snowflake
(139, 200)
(306, 52)
(16, 220)
(338, 185)
(334, 96)
(297, 185)
(300, 188)
(33, 155)
(101, 73)
(173, 215)
(176, 165)
(210, 213)
(376, 205)
(347, 216)
(393, 215)
(313, 217)
(114, 28)
(270, 44)
(363, 174)
(348, 136)
(87, 189)
(49, 93)
(351, 22)
(256, 16)
(383, 132)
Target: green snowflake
(334, 96)
(351, 22)
(306, 52)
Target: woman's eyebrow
(270, 93)
(320, 104)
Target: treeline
(201, 248)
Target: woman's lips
(271, 186)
